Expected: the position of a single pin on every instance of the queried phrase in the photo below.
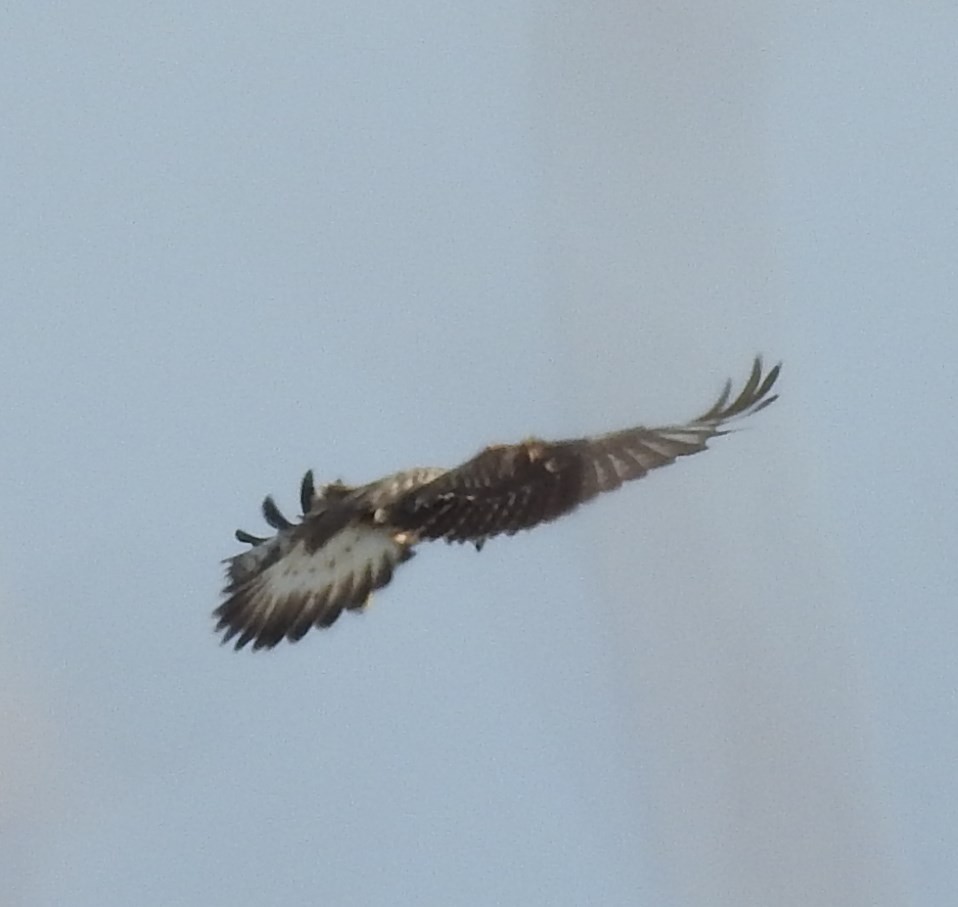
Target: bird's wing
(305, 575)
(510, 488)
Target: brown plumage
(350, 539)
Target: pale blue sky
(246, 241)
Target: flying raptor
(350, 539)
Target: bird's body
(350, 539)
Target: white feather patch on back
(304, 588)
(338, 569)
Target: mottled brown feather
(506, 489)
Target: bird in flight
(350, 539)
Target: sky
(245, 242)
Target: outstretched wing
(306, 574)
(506, 489)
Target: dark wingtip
(273, 515)
(248, 538)
(770, 379)
(751, 399)
(307, 491)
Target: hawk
(350, 539)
